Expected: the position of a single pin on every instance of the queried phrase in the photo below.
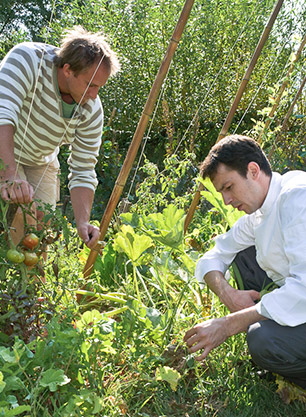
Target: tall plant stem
(243, 84)
(140, 130)
(282, 89)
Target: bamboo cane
(138, 135)
(236, 101)
(285, 122)
(282, 89)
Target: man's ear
(253, 170)
(66, 70)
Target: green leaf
(7, 355)
(96, 326)
(154, 316)
(2, 383)
(89, 319)
(167, 374)
(167, 227)
(131, 219)
(16, 411)
(229, 214)
(13, 383)
(131, 243)
(52, 378)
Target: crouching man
(268, 244)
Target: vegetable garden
(111, 344)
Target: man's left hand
(89, 234)
(207, 336)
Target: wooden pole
(138, 135)
(285, 122)
(281, 90)
(236, 101)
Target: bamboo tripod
(138, 135)
(243, 84)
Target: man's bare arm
(81, 200)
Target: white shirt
(278, 231)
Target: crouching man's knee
(279, 349)
(259, 344)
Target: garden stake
(281, 90)
(285, 122)
(229, 118)
(138, 135)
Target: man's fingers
(255, 295)
(195, 339)
(203, 355)
(195, 342)
(89, 234)
(190, 333)
(17, 192)
(4, 194)
(93, 239)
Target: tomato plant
(14, 256)
(30, 241)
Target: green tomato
(14, 256)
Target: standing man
(275, 224)
(48, 98)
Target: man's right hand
(236, 300)
(17, 191)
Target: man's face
(245, 194)
(85, 85)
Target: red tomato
(14, 256)
(30, 241)
(30, 258)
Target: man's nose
(93, 92)
(227, 198)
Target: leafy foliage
(120, 351)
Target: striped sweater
(30, 101)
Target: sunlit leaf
(2, 383)
(167, 227)
(230, 214)
(131, 243)
(167, 374)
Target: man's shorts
(44, 180)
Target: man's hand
(89, 234)
(17, 191)
(212, 333)
(207, 336)
(236, 300)
(81, 200)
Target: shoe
(288, 391)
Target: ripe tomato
(30, 241)
(14, 256)
(30, 258)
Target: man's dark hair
(236, 152)
(81, 49)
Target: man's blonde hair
(81, 49)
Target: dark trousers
(276, 348)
